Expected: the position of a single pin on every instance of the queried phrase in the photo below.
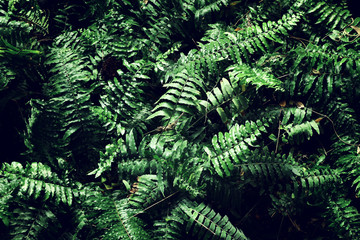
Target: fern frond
(297, 133)
(324, 56)
(115, 151)
(257, 37)
(343, 218)
(69, 89)
(6, 76)
(31, 222)
(172, 226)
(177, 163)
(7, 48)
(39, 19)
(297, 124)
(244, 74)
(38, 181)
(265, 169)
(218, 97)
(30, 13)
(179, 159)
(182, 96)
(254, 38)
(205, 223)
(316, 182)
(114, 218)
(190, 177)
(123, 75)
(334, 15)
(125, 95)
(209, 7)
(344, 117)
(301, 127)
(232, 147)
(346, 158)
(97, 8)
(147, 192)
(7, 187)
(137, 168)
(43, 138)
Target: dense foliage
(179, 119)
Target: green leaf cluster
(179, 119)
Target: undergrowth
(179, 119)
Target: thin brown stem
(278, 135)
(333, 126)
(153, 205)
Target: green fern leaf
(243, 74)
(34, 182)
(233, 146)
(208, 224)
